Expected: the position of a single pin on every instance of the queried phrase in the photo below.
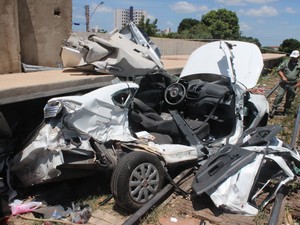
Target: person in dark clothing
(288, 71)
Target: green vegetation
(222, 24)
(149, 28)
(198, 31)
(288, 121)
(289, 45)
(251, 40)
(187, 24)
(216, 24)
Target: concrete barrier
(169, 46)
(272, 60)
(32, 32)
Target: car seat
(144, 117)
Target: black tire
(136, 179)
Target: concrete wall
(9, 37)
(176, 46)
(166, 46)
(44, 25)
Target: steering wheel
(175, 93)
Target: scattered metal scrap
(283, 191)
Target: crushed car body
(126, 53)
(236, 177)
(147, 121)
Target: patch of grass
(155, 214)
(95, 201)
(152, 217)
(261, 218)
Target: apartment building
(123, 16)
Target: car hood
(240, 61)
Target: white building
(124, 16)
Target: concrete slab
(25, 86)
(271, 56)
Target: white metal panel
(211, 59)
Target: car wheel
(136, 179)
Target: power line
(88, 16)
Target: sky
(270, 21)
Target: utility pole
(87, 18)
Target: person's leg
(279, 96)
(290, 96)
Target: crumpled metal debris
(81, 213)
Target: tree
(198, 31)
(222, 24)
(149, 28)
(288, 45)
(187, 24)
(250, 39)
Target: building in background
(124, 16)
(166, 31)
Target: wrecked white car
(140, 126)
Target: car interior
(204, 104)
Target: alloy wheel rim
(143, 182)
